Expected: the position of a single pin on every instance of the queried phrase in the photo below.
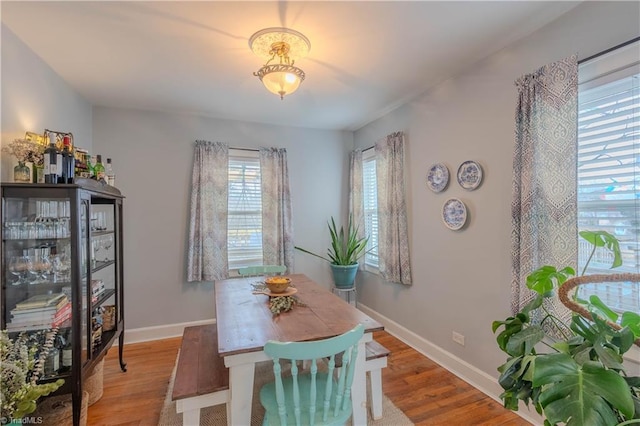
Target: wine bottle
(111, 177)
(67, 352)
(52, 360)
(98, 169)
(68, 162)
(51, 163)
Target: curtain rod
(367, 149)
(245, 149)
(604, 52)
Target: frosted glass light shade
(281, 79)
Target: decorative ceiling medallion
(261, 42)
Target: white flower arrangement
(26, 151)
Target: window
(370, 193)
(609, 168)
(244, 225)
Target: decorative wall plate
(454, 214)
(469, 175)
(438, 177)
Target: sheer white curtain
(277, 226)
(544, 205)
(393, 236)
(207, 258)
(356, 207)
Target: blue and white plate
(438, 177)
(469, 175)
(454, 214)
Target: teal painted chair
(254, 271)
(311, 397)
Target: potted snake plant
(343, 254)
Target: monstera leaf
(580, 395)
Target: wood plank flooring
(427, 393)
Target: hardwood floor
(427, 393)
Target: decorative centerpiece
(22, 363)
(25, 151)
(278, 284)
(280, 294)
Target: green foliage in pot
(22, 362)
(346, 247)
(578, 379)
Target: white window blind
(370, 193)
(609, 174)
(244, 240)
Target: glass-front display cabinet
(62, 275)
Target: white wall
(35, 98)
(152, 156)
(462, 279)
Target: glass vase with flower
(25, 151)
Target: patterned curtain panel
(544, 207)
(393, 236)
(277, 226)
(356, 208)
(207, 256)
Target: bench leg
(191, 417)
(376, 393)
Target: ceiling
(366, 57)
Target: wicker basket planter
(58, 410)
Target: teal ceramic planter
(344, 276)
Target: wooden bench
(202, 380)
(376, 359)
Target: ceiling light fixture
(285, 45)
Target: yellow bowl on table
(277, 284)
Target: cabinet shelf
(103, 297)
(101, 265)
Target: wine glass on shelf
(19, 266)
(61, 267)
(40, 268)
(107, 243)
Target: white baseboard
(477, 378)
(145, 334)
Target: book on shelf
(56, 300)
(26, 321)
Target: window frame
(251, 158)
(370, 206)
(597, 209)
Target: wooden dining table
(245, 324)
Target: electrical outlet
(458, 338)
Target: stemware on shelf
(20, 266)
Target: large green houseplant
(579, 377)
(343, 254)
(21, 365)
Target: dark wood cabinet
(62, 269)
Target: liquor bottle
(91, 161)
(51, 163)
(111, 177)
(68, 162)
(98, 169)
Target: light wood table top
(245, 322)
